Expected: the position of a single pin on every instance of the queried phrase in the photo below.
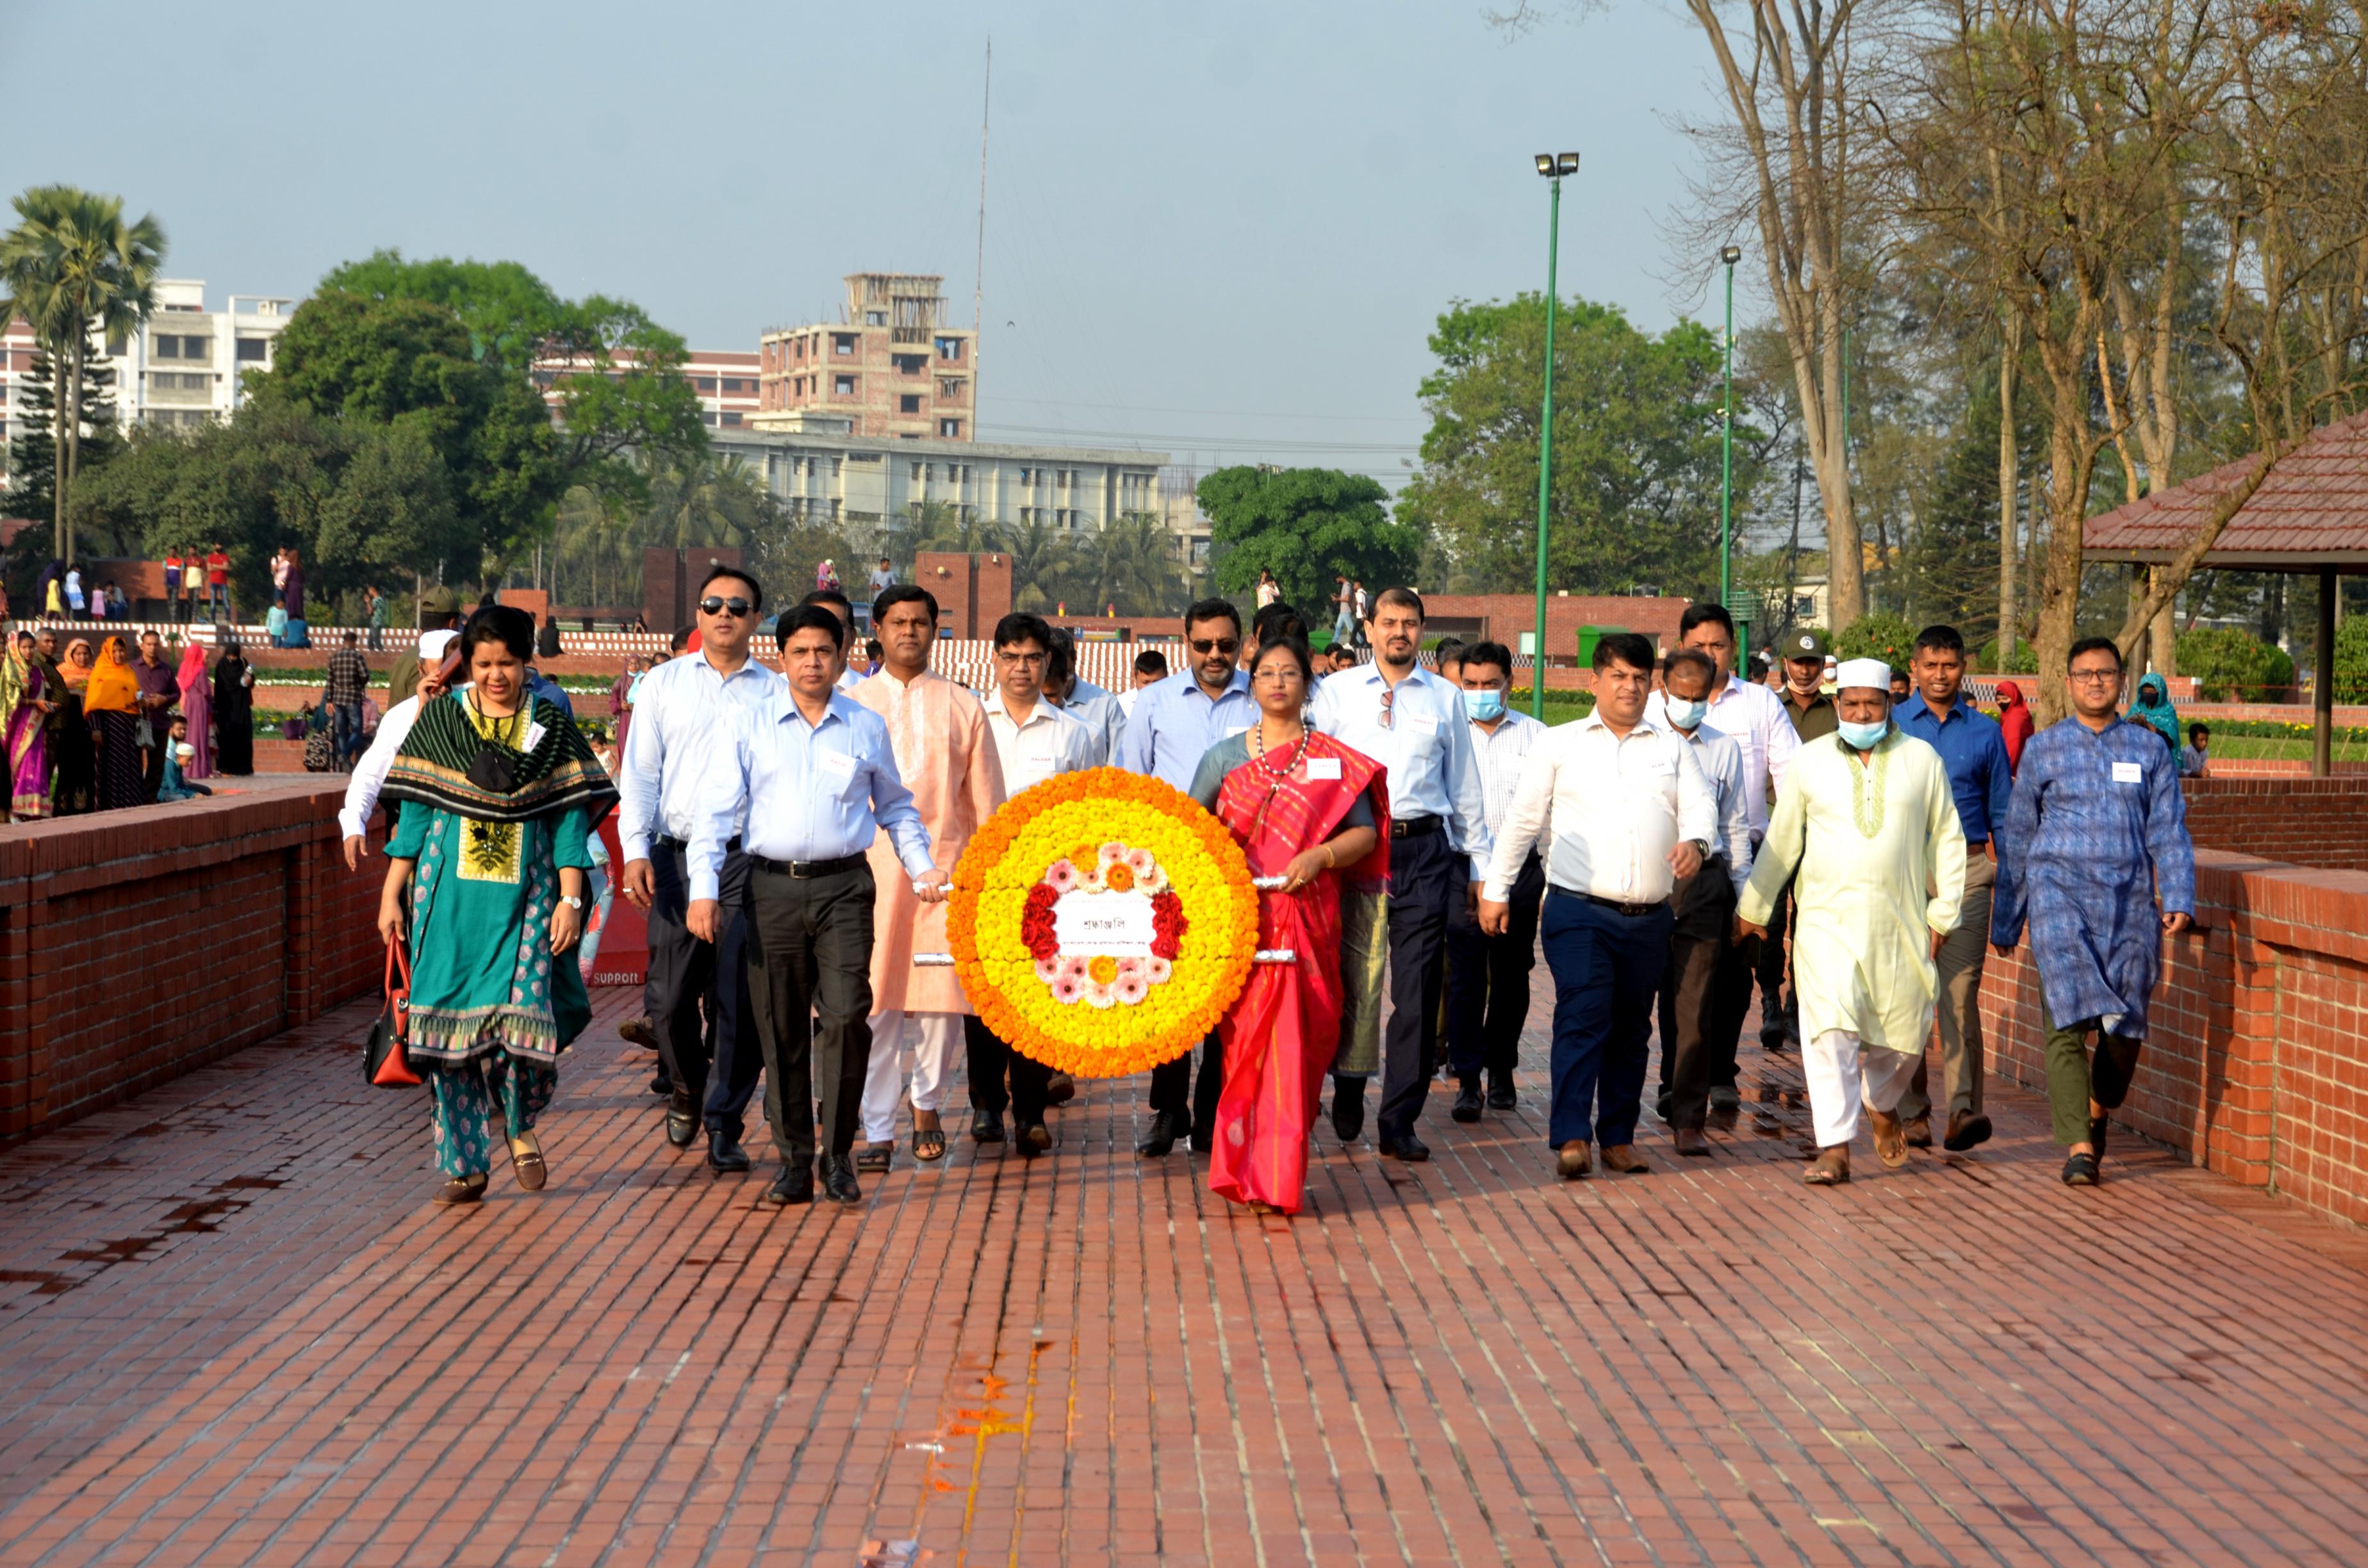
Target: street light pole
(1730, 256)
(1553, 166)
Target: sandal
(929, 1143)
(1830, 1168)
(1890, 1138)
(528, 1164)
(2080, 1170)
(874, 1157)
(462, 1189)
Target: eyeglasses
(734, 607)
(1389, 706)
(2092, 677)
(1229, 646)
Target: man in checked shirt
(350, 680)
(1489, 977)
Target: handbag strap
(398, 962)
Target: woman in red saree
(1308, 809)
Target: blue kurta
(2095, 837)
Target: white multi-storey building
(183, 367)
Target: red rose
(1041, 896)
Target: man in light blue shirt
(712, 1061)
(1097, 710)
(812, 776)
(1173, 724)
(1697, 1060)
(1412, 723)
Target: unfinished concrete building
(889, 363)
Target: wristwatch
(572, 902)
(1700, 847)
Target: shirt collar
(1238, 681)
(785, 706)
(1044, 711)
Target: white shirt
(369, 772)
(1722, 765)
(1501, 755)
(1615, 806)
(1049, 741)
(1425, 745)
(670, 747)
(1755, 717)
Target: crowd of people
(93, 726)
(1850, 849)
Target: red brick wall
(137, 945)
(2257, 1059)
(2300, 820)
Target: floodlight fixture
(1566, 164)
(1545, 163)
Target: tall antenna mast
(978, 269)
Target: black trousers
(1428, 876)
(713, 1062)
(1778, 1016)
(1488, 980)
(809, 962)
(989, 1059)
(1699, 949)
(1175, 1092)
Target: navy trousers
(1607, 970)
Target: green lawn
(2291, 749)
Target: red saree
(1280, 1035)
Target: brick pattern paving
(233, 1330)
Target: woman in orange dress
(1308, 809)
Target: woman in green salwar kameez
(498, 794)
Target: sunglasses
(1229, 646)
(734, 607)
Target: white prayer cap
(433, 643)
(1863, 672)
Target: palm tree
(1131, 563)
(1040, 560)
(941, 525)
(70, 266)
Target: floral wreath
(1111, 852)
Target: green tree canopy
(1636, 474)
(1309, 527)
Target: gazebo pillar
(2322, 687)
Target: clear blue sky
(1224, 220)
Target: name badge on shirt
(1423, 721)
(2128, 773)
(533, 736)
(1323, 767)
(836, 764)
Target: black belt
(803, 869)
(1631, 910)
(1415, 827)
(667, 841)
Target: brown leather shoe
(1967, 1128)
(1830, 1168)
(1624, 1159)
(1571, 1161)
(1690, 1140)
(1919, 1131)
(1890, 1137)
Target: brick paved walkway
(233, 1330)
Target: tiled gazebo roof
(2311, 512)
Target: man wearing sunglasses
(679, 723)
(1174, 723)
(1414, 723)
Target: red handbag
(384, 1062)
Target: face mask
(1484, 704)
(1862, 737)
(1686, 713)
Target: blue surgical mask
(1862, 737)
(1486, 705)
(1686, 713)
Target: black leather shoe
(1725, 1099)
(793, 1186)
(1162, 1139)
(1347, 1109)
(682, 1122)
(1500, 1092)
(838, 1180)
(1406, 1147)
(662, 1085)
(1467, 1101)
(724, 1153)
(1032, 1139)
(987, 1127)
